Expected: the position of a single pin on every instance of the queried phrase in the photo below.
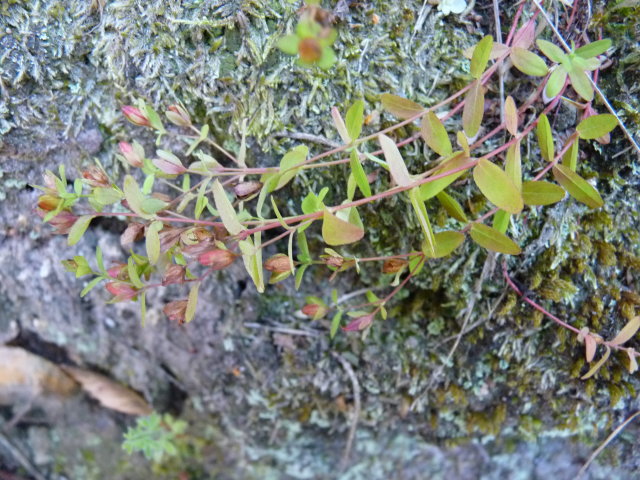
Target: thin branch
(355, 414)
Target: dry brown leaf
(627, 332)
(24, 373)
(589, 348)
(109, 393)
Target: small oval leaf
(577, 186)
(528, 62)
(192, 303)
(358, 173)
(491, 239)
(400, 107)
(446, 243)
(541, 193)
(581, 83)
(511, 115)
(434, 133)
(354, 119)
(596, 126)
(397, 167)
(545, 138)
(513, 165)
(225, 209)
(494, 184)
(627, 332)
(79, 227)
(501, 221)
(594, 49)
(452, 206)
(473, 109)
(431, 189)
(338, 232)
(481, 56)
(597, 366)
(555, 83)
(551, 51)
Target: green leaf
(91, 285)
(431, 189)
(481, 56)
(545, 138)
(152, 241)
(134, 276)
(434, 133)
(494, 184)
(452, 206)
(79, 227)
(204, 159)
(358, 173)
(400, 107)
(253, 261)
(541, 193)
(577, 186)
(289, 160)
(225, 209)
(303, 254)
(501, 221)
(354, 119)
(335, 324)
(340, 125)
(192, 303)
(528, 62)
(289, 44)
(594, 49)
(596, 126)
(153, 205)
(491, 239)
(143, 308)
(279, 216)
(473, 109)
(339, 232)
(154, 118)
(106, 195)
(581, 83)
(570, 157)
(551, 51)
(300, 274)
(446, 243)
(555, 82)
(513, 165)
(397, 167)
(327, 59)
(134, 196)
(99, 259)
(511, 115)
(423, 218)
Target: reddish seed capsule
(393, 265)
(95, 177)
(116, 270)
(310, 50)
(173, 274)
(245, 189)
(121, 291)
(178, 116)
(314, 311)
(48, 202)
(176, 310)
(63, 222)
(218, 259)
(135, 116)
(279, 263)
(130, 154)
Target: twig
(308, 137)
(289, 331)
(20, 458)
(355, 414)
(604, 444)
(496, 15)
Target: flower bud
(130, 154)
(178, 116)
(116, 270)
(132, 233)
(48, 202)
(50, 181)
(121, 291)
(244, 189)
(217, 259)
(63, 222)
(135, 116)
(335, 262)
(173, 274)
(95, 177)
(359, 323)
(279, 263)
(314, 310)
(394, 265)
(176, 310)
(310, 50)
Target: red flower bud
(314, 310)
(121, 291)
(217, 259)
(116, 270)
(310, 50)
(62, 222)
(279, 263)
(95, 177)
(335, 262)
(132, 233)
(178, 116)
(135, 116)
(176, 310)
(173, 274)
(359, 323)
(131, 154)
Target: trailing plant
(223, 209)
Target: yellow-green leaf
(446, 242)
(339, 232)
(358, 173)
(513, 165)
(551, 51)
(340, 125)
(290, 160)
(152, 241)
(134, 196)
(596, 126)
(400, 107)
(501, 221)
(452, 206)
(225, 209)
(627, 332)
(599, 364)
(577, 186)
(594, 49)
(192, 303)
(431, 189)
(511, 115)
(423, 218)
(494, 184)
(354, 119)
(481, 56)
(434, 133)
(528, 62)
(463, 142)
(541, 193)
(491, 239)
(473, 109)
(570, 157)
(79, 227)
(581, 83)
(397, 167)
(555, 82)
(545, 138)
